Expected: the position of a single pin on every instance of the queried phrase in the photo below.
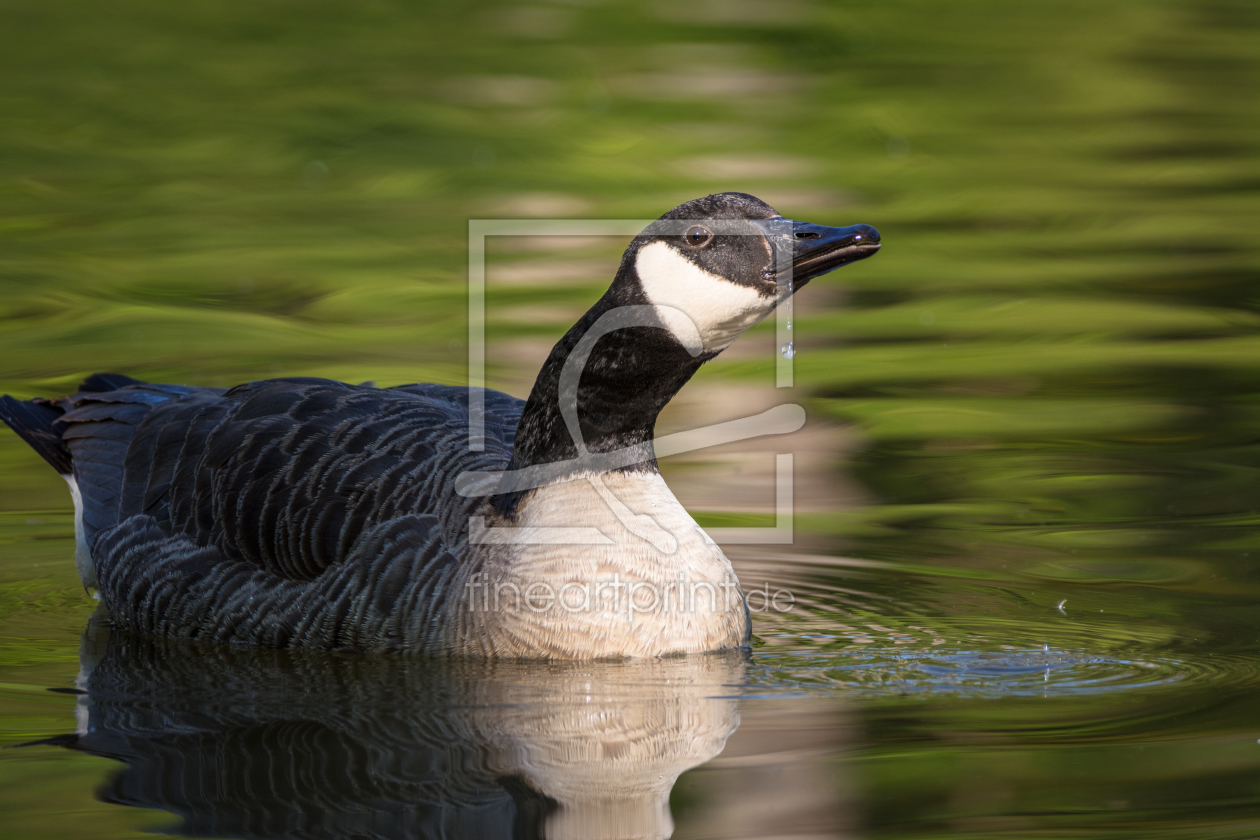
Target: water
(1026, 528)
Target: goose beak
(817, 249)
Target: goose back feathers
(218, 515)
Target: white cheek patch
(686, 294)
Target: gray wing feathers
(286, 512)
(383, 598)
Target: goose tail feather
(34, 420)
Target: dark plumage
(34, 421)
(310, 513)
(233, 505)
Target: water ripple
(877, 669)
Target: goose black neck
(630, 375)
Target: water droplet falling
(788, 350)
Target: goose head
(690, 284)
(720, 264)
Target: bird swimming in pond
(309, 513)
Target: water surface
(1026, 529)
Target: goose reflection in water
(267, 743)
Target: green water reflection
(1051, 368)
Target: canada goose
(310, 513)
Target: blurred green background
(1051, 368)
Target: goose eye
(698, 236)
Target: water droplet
(788, 350)
(789, 324)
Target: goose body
(310, 513)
